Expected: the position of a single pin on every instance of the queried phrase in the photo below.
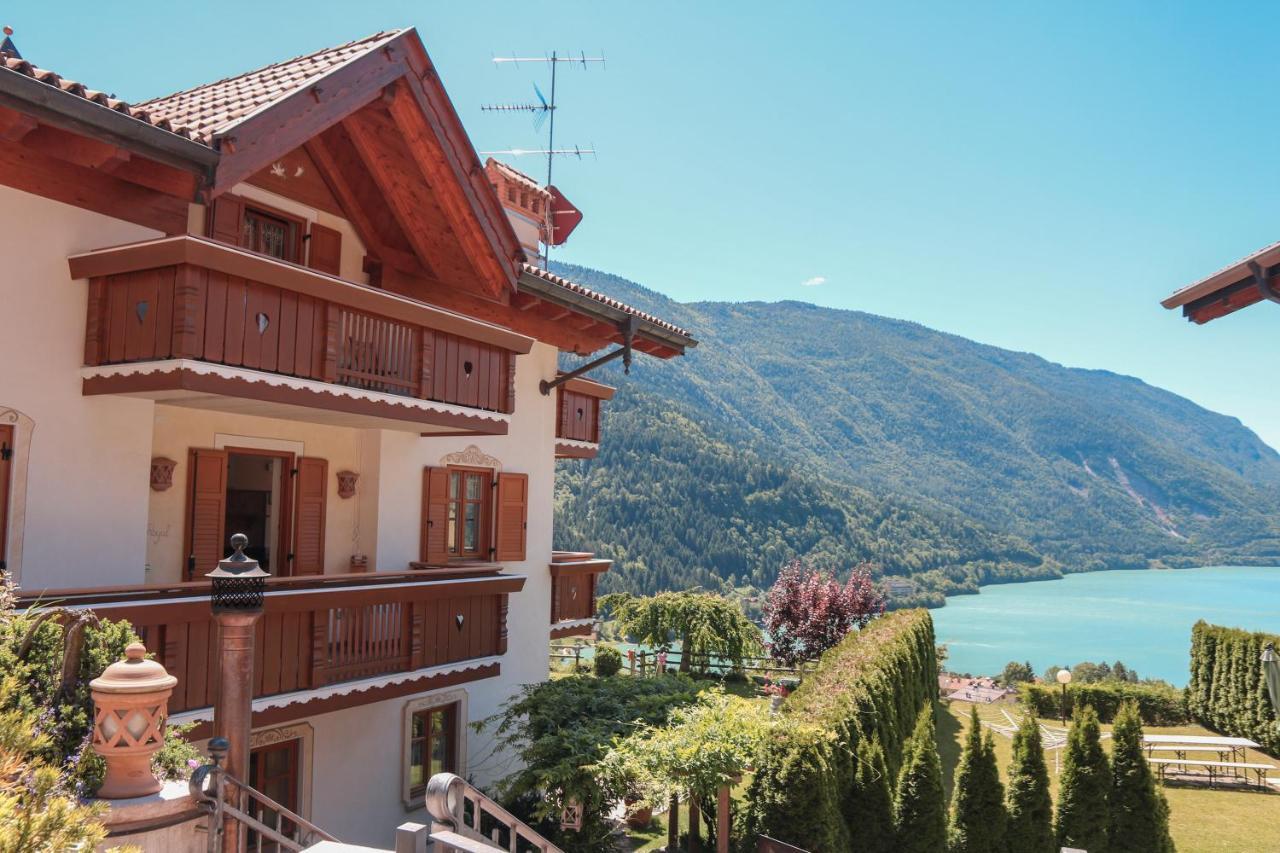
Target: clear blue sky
(1035, 176)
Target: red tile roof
(200, 113)
(574, 287)
(212, 108)
(71, 87)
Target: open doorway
(275, 498)
(257, 504)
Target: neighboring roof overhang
(670, 340)
(589, 387)
(1254, 278)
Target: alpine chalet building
(294, 304)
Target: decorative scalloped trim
(301, 697)
(573, 623)
(574, 442)
(204, 368)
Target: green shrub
(1227, 692)
(608, 661)
(559, 730)
(1158, 704)
(874, 684)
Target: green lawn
(1203, 820)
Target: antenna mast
(544, 110)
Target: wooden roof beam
(413, 114)
(401, 189)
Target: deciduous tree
(1086, 781)
(1138, 811)
(809, 611)
(977, 800)
(1030, 808)
(705, 624)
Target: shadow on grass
(950, 737)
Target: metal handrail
(214, 790)
(447, 798)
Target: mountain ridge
(1087, 468)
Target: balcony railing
(191, 298)
(574, 575)
(314, 631)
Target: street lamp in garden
(1064, 678)
(1271, 674)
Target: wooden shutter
(325, 249)
(435, 515)
(227, 224)
(308, 516)
(513, 517)
(6, 479)
(206, 511)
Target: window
(270, 235)
(433, 745)
(6, 477)
(466, 532)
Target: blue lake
(1142, 618)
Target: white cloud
(814, 282)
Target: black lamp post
(239, 587)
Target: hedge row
(873, 684)
(1158, 704)
(1227, 692)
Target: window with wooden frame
(473, 514)
(270, 234)
(6, 480)
(433, 745)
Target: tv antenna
(543, 110)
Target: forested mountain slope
(795, 429)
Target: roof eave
(566, 298)
(68, 111)
(1226, 277)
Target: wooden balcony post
(329, 355)
(95, 329)
(502, 624)
(511, 383)
(319, 647)
(426, 369)
(417, 635)
(188, 311)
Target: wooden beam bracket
(1263, 282)
(628, 335)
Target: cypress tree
(920, 815)
(1086, 780)
(870, 811)
(1139, 815)
(977, 799)
(1030, 826)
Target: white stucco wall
(84, 512)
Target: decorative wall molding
(162, 473)
(472, 456)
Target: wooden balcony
(321, 632)
(194, 322)
(578, 404)
(574, 575)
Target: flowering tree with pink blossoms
(809, 611)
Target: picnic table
(1215, 769)
(1232, 758)
(1229, 749)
